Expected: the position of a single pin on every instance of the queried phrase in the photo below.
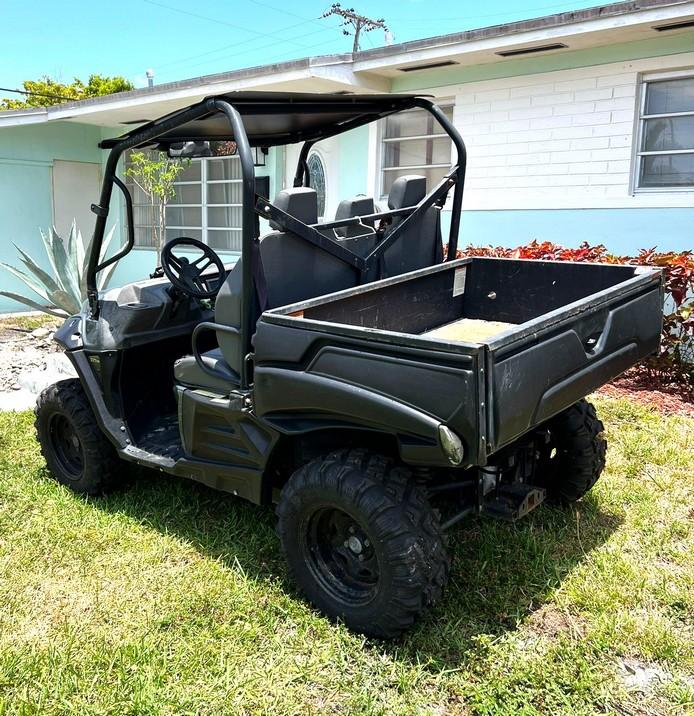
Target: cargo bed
(490, 347)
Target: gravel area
(29, 360)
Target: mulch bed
(669, 399)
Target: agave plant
(64, 289)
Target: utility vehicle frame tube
(110, 178)
(453, 133)
(301, 176)
(249, 231)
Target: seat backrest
(361, 238)
(302, 203)
(227, 311)
(420, 245)
(296, 270)
(356, 206)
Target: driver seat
(187, 372)
(294, 271)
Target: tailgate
(551, 362)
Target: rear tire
(362, 542)
(76, 451)
(574, 458)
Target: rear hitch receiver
(511, 502)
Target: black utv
(346, 370)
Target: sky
(179, 39)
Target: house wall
(27, 158)
(27, 154)
(345, 159)
(550, 148)
(550, 141)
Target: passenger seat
(361, 238)
(296, 270)
(421, 245)
(359, 205)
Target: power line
(483, 17)
(315, 21)
(217, 21)
(184, 60)
(262, 47)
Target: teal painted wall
(660, 46)
(26, 158)
(50, 141)
(622, 231)
(25, 208)
(354, 149)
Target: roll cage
(273, 119)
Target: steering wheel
(186, 274)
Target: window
(316, 172)
(414, 143)
(207, 205)
(665, 156)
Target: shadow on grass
(501, 572)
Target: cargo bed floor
(470, 330)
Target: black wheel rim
(66, 445)
(341, 556)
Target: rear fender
(293, 401)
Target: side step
(511, 502)
(147, 459)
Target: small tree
(155, 174)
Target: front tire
(362, 542)
(76, 451)
(574, 458)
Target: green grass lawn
(173, 599)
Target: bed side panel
(400, 390)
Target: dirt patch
(550, 622)
(672, 399)
(23, 348)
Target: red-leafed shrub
(675, 362)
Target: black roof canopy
(272, 118)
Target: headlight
(451, 445)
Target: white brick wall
(555, 140)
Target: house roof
(374, 70)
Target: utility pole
(359, 23)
